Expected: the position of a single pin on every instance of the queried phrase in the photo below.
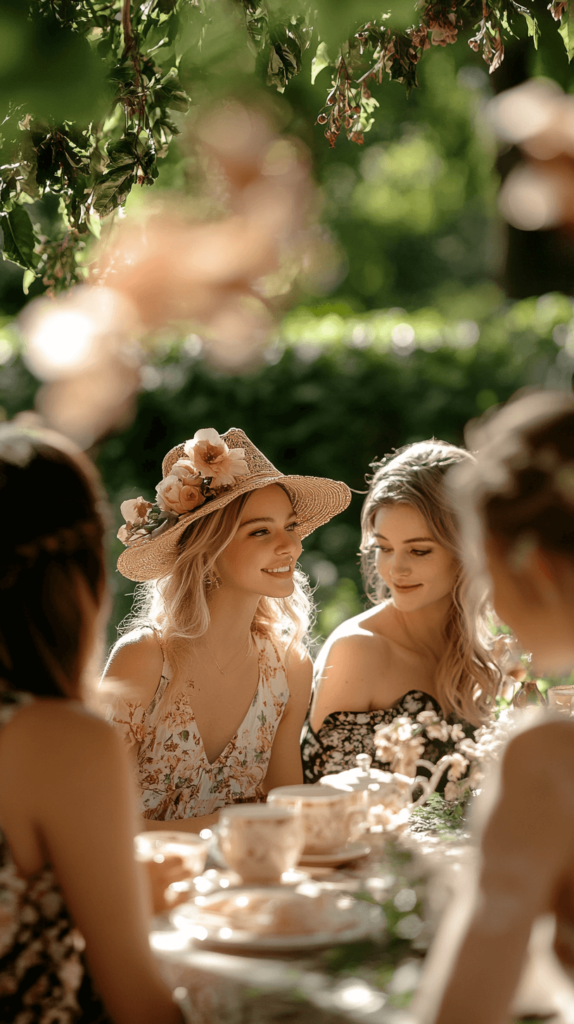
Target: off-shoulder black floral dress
(344, 734)
(43, 975)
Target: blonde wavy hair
(468, 677)
(176, 605)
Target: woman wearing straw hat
(211, 682)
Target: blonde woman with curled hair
(211, 682)
(425, 645)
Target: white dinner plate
(351, 851)
(359, 920)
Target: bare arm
(131, 677)
(526, 849)
(76, 789)
(285, 766)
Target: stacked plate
(275, 919)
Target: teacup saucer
(351, 851)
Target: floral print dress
(344, 734)
(43, 977)
(174, 776)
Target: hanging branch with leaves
(89, 164)
(91, 168)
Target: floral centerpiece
(464, 753)
(208, 469)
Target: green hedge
(335, 394)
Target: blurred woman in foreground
(518, 507)
(68, 879)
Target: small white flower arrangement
(209, 468)
(403, 743)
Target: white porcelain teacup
(328, 817)
(260, 841)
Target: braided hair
(468, 677)
(51, 543)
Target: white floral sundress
(175, 778)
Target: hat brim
(315, 500)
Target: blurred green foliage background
(336, 393)
(410, 332)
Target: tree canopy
(93, 91)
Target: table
(368, 981)
(412, 877)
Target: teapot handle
(429, 785)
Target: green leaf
(19, 238)
(113, 188)
(533, 26)
(27, 280)
(566, 30)
(320, 61)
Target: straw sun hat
(202, 475)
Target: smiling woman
(425, 645)
(210, 684)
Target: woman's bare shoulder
(135, 663)
(358, 636)
(62, 726)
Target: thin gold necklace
(224, 673)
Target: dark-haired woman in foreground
(68, 880)
(518, 504)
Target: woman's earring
(212, 580)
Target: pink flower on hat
(136, 514)
(135, 510)
(211, 457)
(124, 535)
(181, 490)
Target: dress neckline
(420, 694)
(240, 727)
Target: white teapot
(385, 799)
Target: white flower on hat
(181, 490)
(211, 457)
(124, 535)
(135, 510)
